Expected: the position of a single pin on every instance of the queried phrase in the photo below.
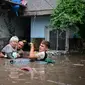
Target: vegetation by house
(67, 14)
(70, 14)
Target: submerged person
(41, 55)
(8, 50)
(20, 48)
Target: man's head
(14, 41)
(44, 46)
(20, 45)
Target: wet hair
(46, 43)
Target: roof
(40, 7)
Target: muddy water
(68, 70)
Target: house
(40, 11)
(32, 24)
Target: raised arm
(32, 52)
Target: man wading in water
(41, 55)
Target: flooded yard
(67, 70)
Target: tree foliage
(67, 13)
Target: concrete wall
(11, 25)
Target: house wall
(38, 25)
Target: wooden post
(67, 41)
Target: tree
(67, 14)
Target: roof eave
(37, 12)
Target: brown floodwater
(67, 70)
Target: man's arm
(32, 53)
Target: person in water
(43, 48)
(11, 47)
(20, 48)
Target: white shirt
(40, 55)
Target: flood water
(67, 70)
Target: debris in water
(78, 64)
(26, 68)
(59, 83)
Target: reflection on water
(68, 70)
